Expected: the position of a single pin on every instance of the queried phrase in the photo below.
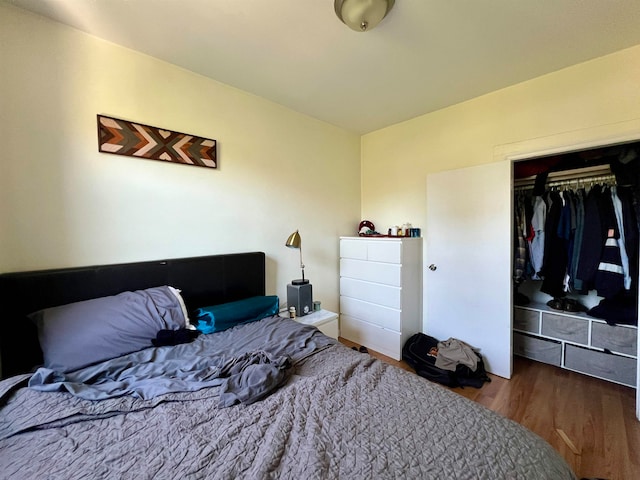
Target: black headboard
(208, 280)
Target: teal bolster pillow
(217, 318)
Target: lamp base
(300, 297)
(299, 281)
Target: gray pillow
(79, 334)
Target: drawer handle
(432, 267)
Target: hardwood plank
(597, 417)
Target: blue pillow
(217, 318)
(79, 334)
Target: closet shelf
(542, 307)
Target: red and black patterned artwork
(121, 137)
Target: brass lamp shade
(295, 241)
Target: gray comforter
(340, 414)
(233, 359)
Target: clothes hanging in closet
(626, 169)
(557, 234)
(578, 240)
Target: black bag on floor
(420, 353)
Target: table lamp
(294, 241)
(299, 291)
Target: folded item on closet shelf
(521, 299)
(567, 305)
(556, 304)
(619, 310)
(572, 305)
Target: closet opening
(576, 260)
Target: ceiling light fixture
(362, 15)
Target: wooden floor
(590, 422)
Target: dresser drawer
(605, 365)
(378, 293)
(614, 338)
(527, 320)
(385, 251)
(356, 249)
(372, 336)
(371, 313)
(385, 273)
(566, 328)
(539, 349)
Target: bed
(328, 412)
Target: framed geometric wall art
(121, 137)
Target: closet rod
(577, 182)
(586, 173)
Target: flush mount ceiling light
(362, 15)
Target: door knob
(432, 267)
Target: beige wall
(589, 102)
(64, 204)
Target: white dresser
(380, 291)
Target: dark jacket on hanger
(593, 239)
(627, 171)
(555, 250)
(576, 283)
(608, 279)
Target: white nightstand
(323, 320)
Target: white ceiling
(426, 55)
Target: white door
(467, 277)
